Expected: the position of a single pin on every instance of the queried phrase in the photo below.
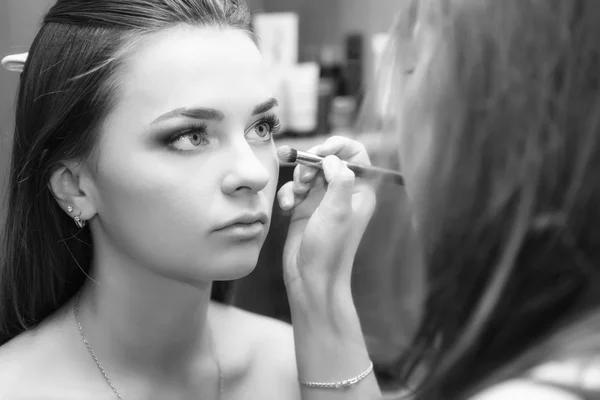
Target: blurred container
(343, 111)
(382, 80)
(354, 66)
(329, 81)
(278, 42)
(276, 80)
(301, 98)
(278, 37)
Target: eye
(189, 139)
(264, 129)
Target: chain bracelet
(341, 384)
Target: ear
(72, 185)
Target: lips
(245, 220)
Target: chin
(235, 264)
(234, 271)
(218, 272)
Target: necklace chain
(101, 368)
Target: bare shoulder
(268, 344)
(269, 333)
(39, 364)
(19, 358)
(265, 334)
(524, 389)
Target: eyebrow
(264, 107)
(196, 113)
(212, 114)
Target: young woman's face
(185, 168)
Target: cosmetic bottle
(354, 66)
(301, 98)
(278, 42)
(349, 93)
(330, 76)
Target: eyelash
(270, 119)
(188, 130)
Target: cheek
(140, 186)
(268, 157)
(154, 208)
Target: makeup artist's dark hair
(67, 88)
(510, 225)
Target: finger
(345, 148)
(301, 187)
(305, 205)
(286, 196)
(319, 181)
(298, 182)
(337, 202)
(290, 196)
(306, 173)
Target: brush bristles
(286, 154)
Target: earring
(78, 221)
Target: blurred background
(324, 55)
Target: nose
(246, 171)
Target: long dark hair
(511, 223)
(67, 87)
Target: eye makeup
(272, 123)
(194, 134)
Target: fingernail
(286, 203)
(301, 187)
(306, 175)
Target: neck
(141, 321)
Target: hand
(331, 210)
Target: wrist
(319, 285)
(330, 346)
(331, 313)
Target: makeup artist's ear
(72, 185)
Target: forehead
(185, 65)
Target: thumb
(337, 202)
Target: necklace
(101, 368)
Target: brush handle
(371, 172)
(360, 170)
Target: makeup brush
(288, 155)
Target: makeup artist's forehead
(187, 66)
